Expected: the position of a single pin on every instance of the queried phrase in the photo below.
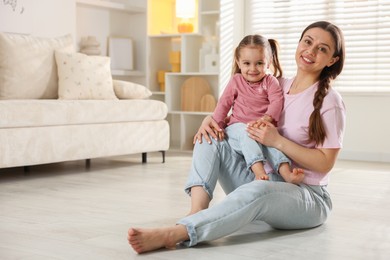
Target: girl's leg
(241, 143)
(259, 171)
(282, 164)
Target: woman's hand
(315, 159)
(264, 132)
(209, 128)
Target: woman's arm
(209, 127)
(316, 159)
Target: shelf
(112, 5)
(210, 13)
(127, 73)
(173, 86)
(163, 37)
(173, 35)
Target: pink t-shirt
(249, 101)
(294, 123)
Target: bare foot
(258, 169)
(145, 240)
(296, 176)
(263, 177)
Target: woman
(310, 133)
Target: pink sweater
(249, 101)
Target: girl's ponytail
(277, 68)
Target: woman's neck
(302, 82)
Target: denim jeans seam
(255, 160)
(191, 233)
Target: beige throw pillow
(84, 77)
(27, 66)
(130, 90)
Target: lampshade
(185, 8)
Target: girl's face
(315, 51)
(252, 63)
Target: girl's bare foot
(145, 240)
(263, 177)
(258, 169)
(296, 176)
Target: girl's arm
(315, 159)
(275, 98)
(225, 102)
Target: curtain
(365, 24)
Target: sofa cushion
(39, 112)
(27, 66)
(130, 90)
(84, 77)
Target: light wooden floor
(64, 211)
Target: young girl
(252, 94)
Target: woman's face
(315, 51)
(253, 63)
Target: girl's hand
(264, 132)
(208, 128)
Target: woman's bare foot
(145, 240)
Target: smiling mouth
(307, 60)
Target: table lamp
(185, 10)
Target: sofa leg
(88, 163)
(26, 170)
(144, 157)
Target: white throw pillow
(84, 77)
(27, 66)
(130, 90)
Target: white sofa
(52, 112)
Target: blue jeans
(253, 151)
(282, 205)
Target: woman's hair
(317, 131)
(257, 41)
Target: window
(365, 24)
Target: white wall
(45, 18)
(367, 135)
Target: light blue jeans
(282, 205)
(253, 152)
